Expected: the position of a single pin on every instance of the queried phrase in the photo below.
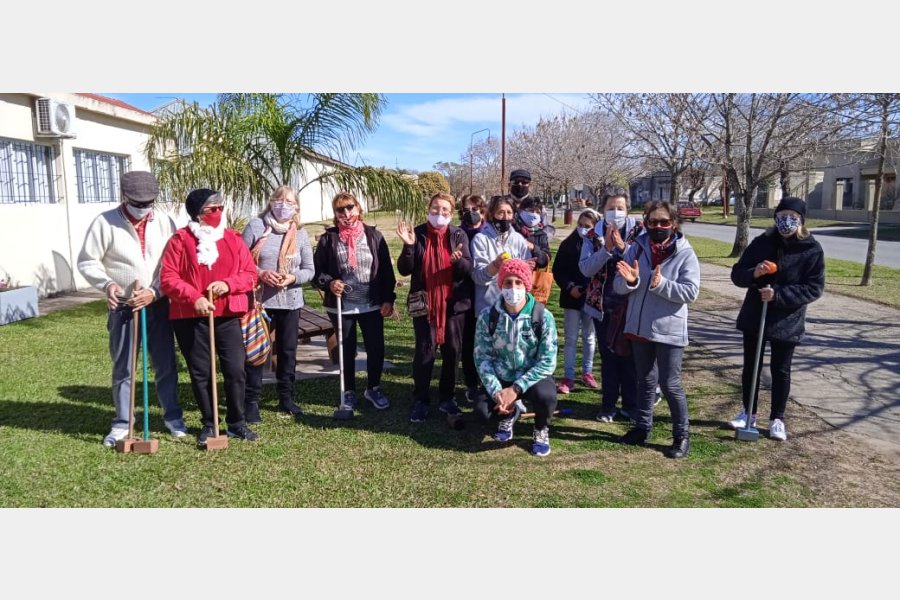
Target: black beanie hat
(795, 204)
(195, 201)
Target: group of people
(623, 283)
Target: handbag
(255, 322)
(541, 284)
(255, 329)
(417, 304)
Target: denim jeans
(161, 350)
(575, 319)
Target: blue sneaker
(449, 407)
(505, 427)
(419, 412)
(377, 398)
(541, 444)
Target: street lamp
(472, 157)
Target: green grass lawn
(55, 409)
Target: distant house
(61, 157)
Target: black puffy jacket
(800, 279)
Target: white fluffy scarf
(207, 236)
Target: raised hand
(456, 254)
(405, 233)
(629, 273)
(657, 277)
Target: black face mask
(659, 234)
(502, 225)
(518, 190)
(470, 217)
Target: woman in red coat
(201, 258)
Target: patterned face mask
(787, 224)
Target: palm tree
(246, 145)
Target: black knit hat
(520, 174)
(197, 199)
(795, 204)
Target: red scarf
(661, 251)
(349, 234)
(438, 274)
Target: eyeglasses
(344, 209)
(211, 209)
(659, 222)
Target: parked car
(689, 211)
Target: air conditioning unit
(54, 119)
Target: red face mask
(212, 219)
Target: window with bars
(26, 173)
(98, 175)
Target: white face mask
(513, 296)
(583, 231)
(138, 213)
(438, 221)
(617, 217)
(529, 218)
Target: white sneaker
(177, 428)
(740, 421)
(777, 430)
(115, 434)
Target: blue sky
(418, 130)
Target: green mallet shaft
(144, 364)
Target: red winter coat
(184, 280)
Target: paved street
(886, 254)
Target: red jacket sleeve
(171, 281)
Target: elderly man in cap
(519, 186)
(124, 245)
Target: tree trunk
(784, 177)
(876, 203)
(743, 206)
(673, 189)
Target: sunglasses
(139, 204)
(211, 209)
(344, 209)
(659, 222)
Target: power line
(580, 112)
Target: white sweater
(112, 251)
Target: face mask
(529, 218)
(282, 211)
(347, 221)
(518, 190)
(139, 213)
(659, 234)
(439, 221)
(502, 225)
(513, 296)
(471, 217)
(617, 217)
(787, 224)
(583, 231)
(212, 219)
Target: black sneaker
(679, 448)
(636, 437)
(206, 432)
(287, 408)
(449, 407)
(419, 412)
(243, 432)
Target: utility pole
(503, 145)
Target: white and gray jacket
(661, 314)
(486, 246)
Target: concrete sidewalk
(846, 370)
(68, 300)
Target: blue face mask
(787, 225)
(529, 218)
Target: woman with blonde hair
(352, 262)
(284, 260)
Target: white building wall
(39, 243)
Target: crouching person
(515, 354)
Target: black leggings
(780, 368)
(372, 326)
(285, 325)
(423, 358)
